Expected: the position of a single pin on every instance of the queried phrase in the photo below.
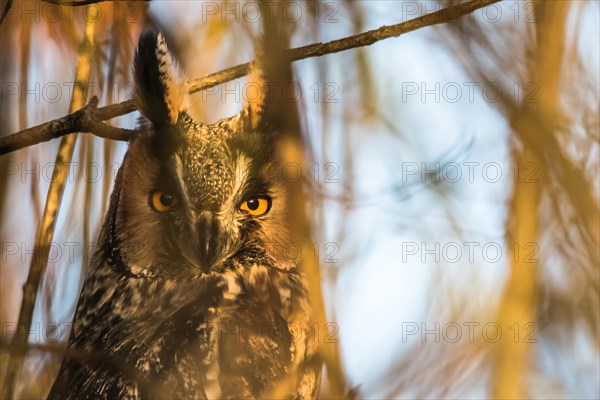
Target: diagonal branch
(58, 128)
(6, 10)
(83, 2)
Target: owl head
(194, 196)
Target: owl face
(195, 195)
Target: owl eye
(161, 201)
(256, 206)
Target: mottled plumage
(189, 294)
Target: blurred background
(453, 177)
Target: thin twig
(45, 230)
(84, 2)
(48, 131)
(6, 10)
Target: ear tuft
(161, 88)
(257, 90)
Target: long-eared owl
(187, 295)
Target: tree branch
(82, 2)
(87, 119)
(59, 127)
(6, 10)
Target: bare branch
(86, 119)
(351, 42)
(58, 128)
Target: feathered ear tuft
(256, 96)
(161, 89)
(256, 90)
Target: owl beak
(208, 244)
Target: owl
(188, 294)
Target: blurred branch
(84, 2)
(47, 131)
(45, 230)
(6, 10)
(518, 304)
(97, 359)
(23, 348)
(282, 116)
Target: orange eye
(161, 201)
(256, 206)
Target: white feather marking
(182, 185)
(233, 287)
(285, 294)
(242, 173)
(212, 388)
